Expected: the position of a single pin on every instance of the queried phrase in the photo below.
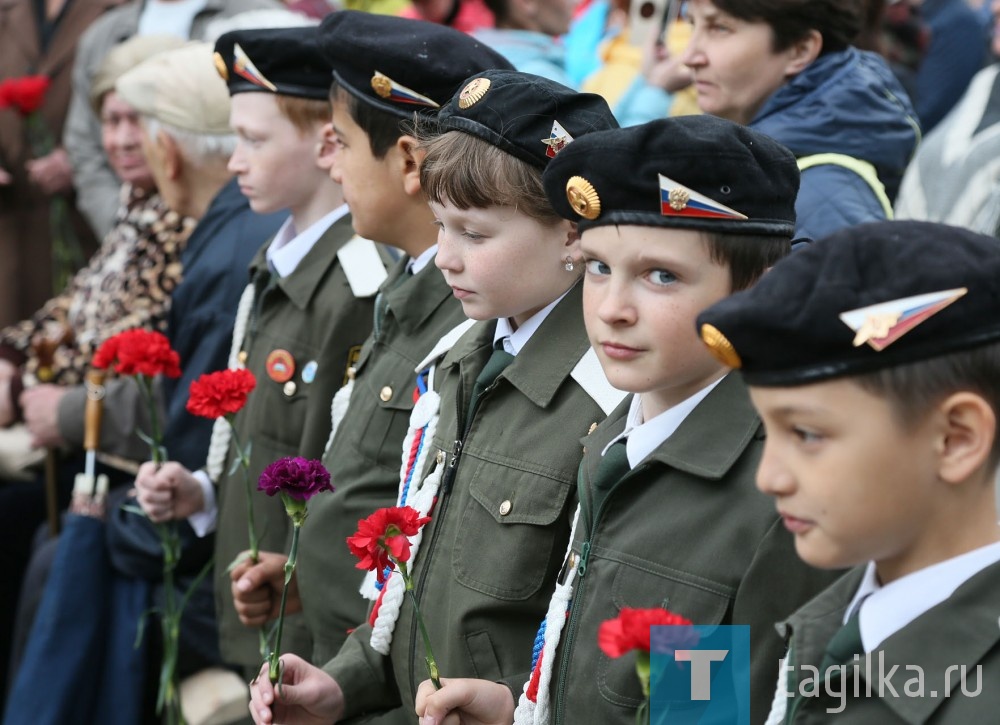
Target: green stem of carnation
(168, 699)
(429, 654)
(293, 554)
(245, 465)
(155, 432)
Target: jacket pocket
(381, 435)
(513, 528)
(700, 600)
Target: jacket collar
(301, 285)
(536, 372)
(726, 411)
(959, 631)
(413, 301)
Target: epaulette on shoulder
(589, 375)
(362, 265)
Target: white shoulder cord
(536, 711)
(419, 495)
(218, 447)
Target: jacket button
(505, 507)
(385, 394)
(289, 388)
(242, 357)
(440, 458)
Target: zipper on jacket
(566, 643)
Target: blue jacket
(847, 102)
(529, 52)
(203, 310)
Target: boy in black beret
(307, 308)
(673, 216)
(499, 500)
(873, 357)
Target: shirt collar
(418, 263)
(287, 248)
(643, 437)
(514, 340)
(887, 609)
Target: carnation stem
(293, 554)
(429, 654)
(245, 465)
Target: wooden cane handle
(94, 410)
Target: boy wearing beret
(508, 401)
(874, 359)
(673, 215)
(387, 72)
(308, 305)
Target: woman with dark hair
(788, 68)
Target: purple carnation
(300, 478)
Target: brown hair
(747, 256)
(471, 173)
(838, 21)
(304, 113)
(915, 388)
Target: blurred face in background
(121, 136)
(995, 9)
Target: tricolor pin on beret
(286, 61)
(691, 172)
(869, 297)
(530, 117)
(401, 66)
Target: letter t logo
(701, 669)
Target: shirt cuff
(203, 522)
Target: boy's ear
(970, 427)
(326, 146)
(410, 156)
(803, 52)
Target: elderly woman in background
(787, 68)
(127, 284)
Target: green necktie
(844, 644)
(498, 361)
(612, 468)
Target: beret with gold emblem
(863, 299)
(286, 61)
(690, 172)
(530, 117)
(399, 65)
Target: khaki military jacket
(960, 633)
(490, 555)
(364, 457)
(314, 315)
(687, 530)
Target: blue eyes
(596, 266)
(662, 277)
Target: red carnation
(25, 94)
(630, 631)
(214, 395)
(139, 352)
(382, 539)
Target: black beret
(527, 116)
(286, 61)
(691, 172)
(865, 298)
(400, 65)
